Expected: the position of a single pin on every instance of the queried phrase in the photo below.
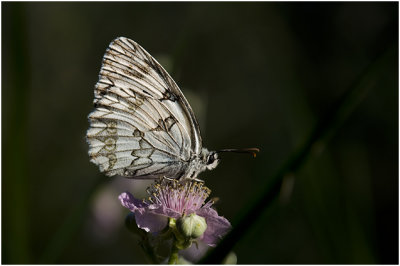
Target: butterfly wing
(142, 125)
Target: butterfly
(142, 126)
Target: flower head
(169, 198)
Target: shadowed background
(256, 74)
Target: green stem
(173, 258)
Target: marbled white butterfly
(142, 126)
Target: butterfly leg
(168, 178)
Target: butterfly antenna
(252, 151)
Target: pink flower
(175, 199)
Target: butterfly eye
(210, 159)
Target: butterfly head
(210, 159)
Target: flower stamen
(181, 196)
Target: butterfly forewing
(142, 125)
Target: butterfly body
(142, 126)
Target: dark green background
(256, 74)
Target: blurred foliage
(260, 75)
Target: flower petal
(150, 222)
(162, 210)
(217, 226)
(130, 202)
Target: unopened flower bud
(191, 226)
